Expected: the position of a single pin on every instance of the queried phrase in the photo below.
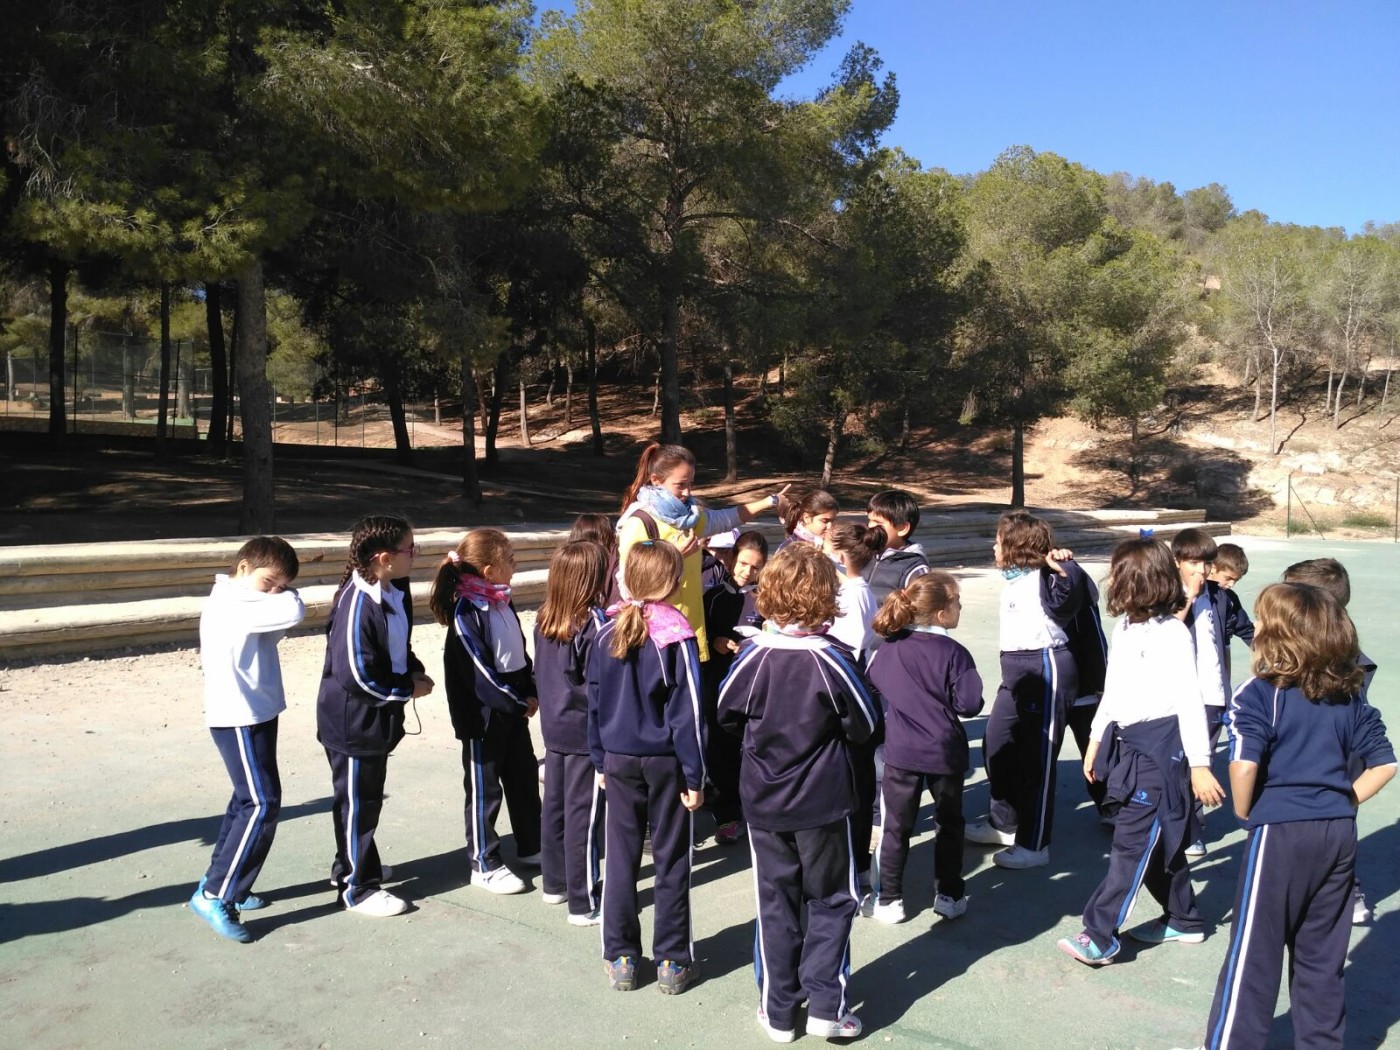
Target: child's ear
(903, 531)
(243, 569)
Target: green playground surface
(108, 822)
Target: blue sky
(1294, 106)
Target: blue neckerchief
(661, 503)
(1014, 573)
(928, 628)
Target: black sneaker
(673, 978)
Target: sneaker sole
(1185, 938)
(1065, 947)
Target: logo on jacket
(1140, 796)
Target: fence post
(1395, 518)
(1288, 514)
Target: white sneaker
(947, 907)
(498, 880)
(380, 905)
(1196, 849)
(984, 834)
(530, 860)
(891, 914)
(554, 898)
(847, 1027)
(1020, 857)
(867, 905)
(1360, 910)
(778, 1035)
(591, 918)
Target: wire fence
(113, 386)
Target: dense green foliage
(444, 197)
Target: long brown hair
(596, 527)
(475, 550)
(652, 572)
(919, 603)
(1025, 540)
(1303, 637)
(810, 504)
(656, 461)
(861, 543)
(1143, 581)
(577, 582)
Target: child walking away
(491, 697)
(245, 617)
(646, 739)
(808, 518)
(1148, 746)
(799, 702)
(1294, 728)
(1044, 592)
(927, 682)
(730, 615)
(897, 512)
(369, 674)
(572, 821)
(658, 506)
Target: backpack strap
(648, 523)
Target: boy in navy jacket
(800, 702)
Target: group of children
(805, 698)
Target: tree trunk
(1018, 463)
(1273, 406)
(398, 419)
(233, 394)
(471, 482)
(669, 377)
(1258, 392)
(904, 427)
(1248, 361)
(1337, 401)
(595, 423)
(569, 394)
(731, 438)
(548, 390)
(1133, 455)
(524, 414)
(184, 380)
(656, 394)
(1327, 404)
(1361, 386)
(493, 418)
(128, 381)
(58, 331)
(218, 368)
(259, 512)
(782, 374)
(163, 401)
(834, 430)
(1385, 390)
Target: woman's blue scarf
(662, 504)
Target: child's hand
(532, 704)
(686, 543)
(1205, 787)
(422, 684)
(1056, 556)
(1089, 770)
(692, 800)
(723, 646)
(602, 781)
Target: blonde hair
(652, 572)
(799, 588)
(475, 550)
(578, 581)
(1304, 638)
(919, 603)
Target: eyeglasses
(415, 550)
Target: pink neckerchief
(799, 532)
(665, 623)
(476, 589)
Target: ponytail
(817, 501)
(861, 544)
(630, 631)
(922, 603)
(371, 535)
(656, 461)
(895, 615)
(474, 551)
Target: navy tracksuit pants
(801, 875)
(250, 821)
(900, 791)
(723, 750)
(646, 790)
(1136, 859)
(1022, 741)
(1215, 722)
(1079, 719)
(1294, 893)
(358, 787)
(571, 830)
(501, 764)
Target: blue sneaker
(221, 916)
(1083, 948)
(252, 902)
(1158, 932)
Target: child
(808, 518)
(927, 682)
(245, 617)
(369, 674)
(599, 528)
(490, 697)
(1294, 729)
(1148, 746)
(852, 548)
(1089, 648)
(1230, 567)
(571, 823)
(729, 609)
(799, 702)
(1331, 575)
(1044, 592)
(1195, 552)
(646, 739)
(897, 512)
(658, 505)
(717, 558)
